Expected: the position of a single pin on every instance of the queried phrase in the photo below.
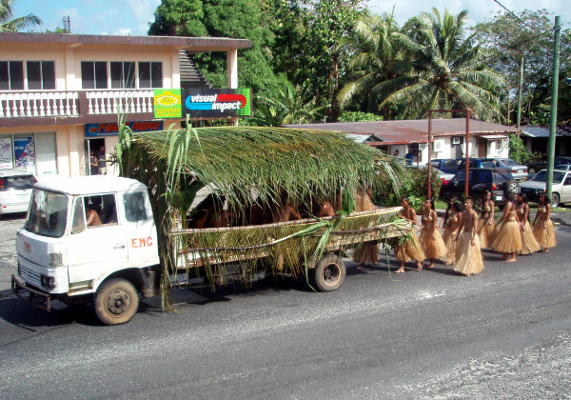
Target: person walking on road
(486, 226)
(451, 229)
(468, 251)
(430, 239)
(543, 226)
(528, 241)
(507, 237)
(410, 250)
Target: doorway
(95, 156)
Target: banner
(24, 152)
(167, 103)
(217, 102)
(112, 128)
(6, 153)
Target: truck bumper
(36, 297)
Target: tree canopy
(10, 24)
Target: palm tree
(7, 24)
(447, 71)
(380, 53)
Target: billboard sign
(217, 102)
(167, 103)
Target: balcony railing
(35, 104)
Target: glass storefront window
(32, 152)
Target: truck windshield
(48, 213)
(541, 176)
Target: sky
(132, 17)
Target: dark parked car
(518, 171)
(447, 165)
(533, 168)
(481, 179)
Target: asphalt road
(504, 334)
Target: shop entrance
(95, 156)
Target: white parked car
(561, 188)
(15, 190)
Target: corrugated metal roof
(543, 131)
(412, 131)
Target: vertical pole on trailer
(429, 189)
(554, 93)
(467, 182)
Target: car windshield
(19, 182)
(48, 213)
(541, 176)
(502, 177)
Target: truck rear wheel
(329, 273)
(116, 302)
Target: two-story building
(60, 93)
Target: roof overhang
(494, 137)
(180, 42)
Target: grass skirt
(528, 241)
(545, 234)
(449, 239)
(468, 257)
(507, 238)
(410, 250)
(368, 253)
(486, 233)
(432, 244)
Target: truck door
(566, 189)
(96, 243)
(141, 233)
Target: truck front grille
(30, 276)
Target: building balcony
(73, 107)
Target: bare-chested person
(409, 250)
(468, 253)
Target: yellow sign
(167, 103)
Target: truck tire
(512, 187)
(329, 273)
(116, 302)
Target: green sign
(247, 109)
(167, 103)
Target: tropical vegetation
(10, 24)
(336, 57)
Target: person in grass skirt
(410, 250)
(451, 228)
(368, 252)
(430, 239)
(543, 226)
(486, 225)
(528, 241)
(468, 251)
(507, 236)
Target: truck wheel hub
(118, 302)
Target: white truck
(62, 256)
(94, 240)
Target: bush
(519, 153)
(359, 116)
(413, 186)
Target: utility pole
(520, 91)
(554, 96)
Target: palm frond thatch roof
(236, 160)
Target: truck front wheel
(116, 302)
(329, 273)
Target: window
(41, 75)
(104, 206)
(78, 224)
(11, 75)
(135, 206)
(122, 75)
(150, 75)
(94, 75)
(47, 215)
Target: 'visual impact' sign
(217, 102)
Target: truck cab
(88, 239)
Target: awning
(494, 137)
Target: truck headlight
(48, 281)
(55, 260)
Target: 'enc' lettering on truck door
(138, 243)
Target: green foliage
(18, 24)
(519, 153)
(359, 116)
(244, 19)
(413, 184)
